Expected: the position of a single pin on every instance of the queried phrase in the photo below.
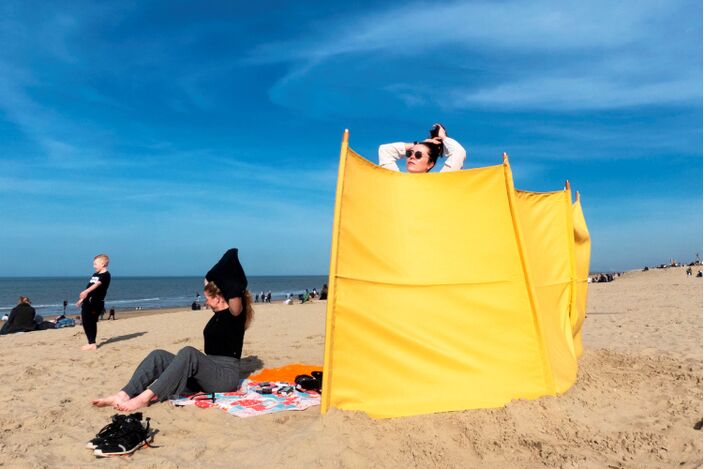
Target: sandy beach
(635, 403)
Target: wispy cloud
(44, 126)
(50, 129)
(597, 55)
(526, 26)
(576, 93)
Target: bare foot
(111, 400)
(89, 347)
(136, 402)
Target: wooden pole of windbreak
(332, 277)
(569, 224)
(518, 234)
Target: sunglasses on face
(417, 155)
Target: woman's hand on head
(441, 132)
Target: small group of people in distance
(673, 263)
(603, 278)
(263, 297)
(306, 296)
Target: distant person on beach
(92, 299)
(421, 156)
(268, 297)
(21, 318)
(324, 292)
(112, 315)
(65, 305)
(162, 375)
(195, 306)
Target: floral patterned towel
(249, 401)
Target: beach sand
(635, 402)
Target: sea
(47, 294)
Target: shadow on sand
(248, 365)
(120, 338)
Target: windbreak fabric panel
(545, 220)
(582, 250)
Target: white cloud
(566, 55)
(511, 25)
(575, 93)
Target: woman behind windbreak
(422, 156)
(21, 318)
(162, 374)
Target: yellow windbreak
(429, 309)
(546, 222)
(582, 250)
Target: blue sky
(165, 132)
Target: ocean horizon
(130, 293)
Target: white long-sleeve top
(390, 153)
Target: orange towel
(286, 373)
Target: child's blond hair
(104, 258)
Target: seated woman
(21, 318)
(162, 374)
(422, 156)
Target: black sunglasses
(417, 155)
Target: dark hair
(434, 150)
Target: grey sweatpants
(169, 375)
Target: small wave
(132, 301)
(52, 305)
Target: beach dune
(635, 403)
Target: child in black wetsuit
(92, 299)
